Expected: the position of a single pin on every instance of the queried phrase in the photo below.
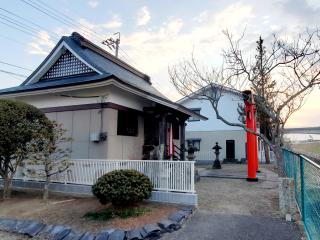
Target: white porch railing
(170, 176)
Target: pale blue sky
(154, 34)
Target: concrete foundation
(78, 189)
(287, 204)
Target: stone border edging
(35, 229)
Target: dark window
(195, 143)
(127, 123)
(195, 110)
(176, 131)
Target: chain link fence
(306, 175)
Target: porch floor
(232, 208)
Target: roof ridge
(84, 42)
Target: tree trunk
(45, 195)
(266, 152)
(279, 158)
(6, 188)
(277, 148)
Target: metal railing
(169, 176)
(204, 155)
(306, 175)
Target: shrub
(110, 213)
(122, 187)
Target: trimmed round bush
(122, 187)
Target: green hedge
(122, 187)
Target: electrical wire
(67, 20)
(29, 21)
(12, 40)
(13, 65)
(19, 29)
(72, 20)
(12, 73)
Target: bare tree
(48, 157)
(294, 66)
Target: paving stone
(62, 234)
(150, 230)
(176, 217)
(109, 230)
(169, 225)
(33, 229)
(134, 234)
(188, 209)
(184, 213)
(72, 236)
(8, 225)
(102, 236)
(87, 236)
(22, 225)
(55, 232)
(117, 235)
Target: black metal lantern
(216, 163)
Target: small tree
(17, 123)
(49, 157)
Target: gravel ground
(237, 196)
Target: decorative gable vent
(67, 65)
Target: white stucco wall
(214, 130)
(81, 123)
(228, 105)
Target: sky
(154, 34)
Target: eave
(106, 81)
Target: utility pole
(113, 44)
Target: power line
(53, 14)
(67, 20)
(27, 20)
(72, 20)
(19, 29)
(12, 73)
(12, 65)
(12, 40)
(8, 19)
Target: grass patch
(110, 213)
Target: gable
(67, 65)
(64, 61)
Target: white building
(204, 134)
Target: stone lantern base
(216, 164)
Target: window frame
(191, 119)
(194, 140)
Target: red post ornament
(252, 153)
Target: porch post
(182, 140)
(162, 136)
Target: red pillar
(251, 138)
(256, 138)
